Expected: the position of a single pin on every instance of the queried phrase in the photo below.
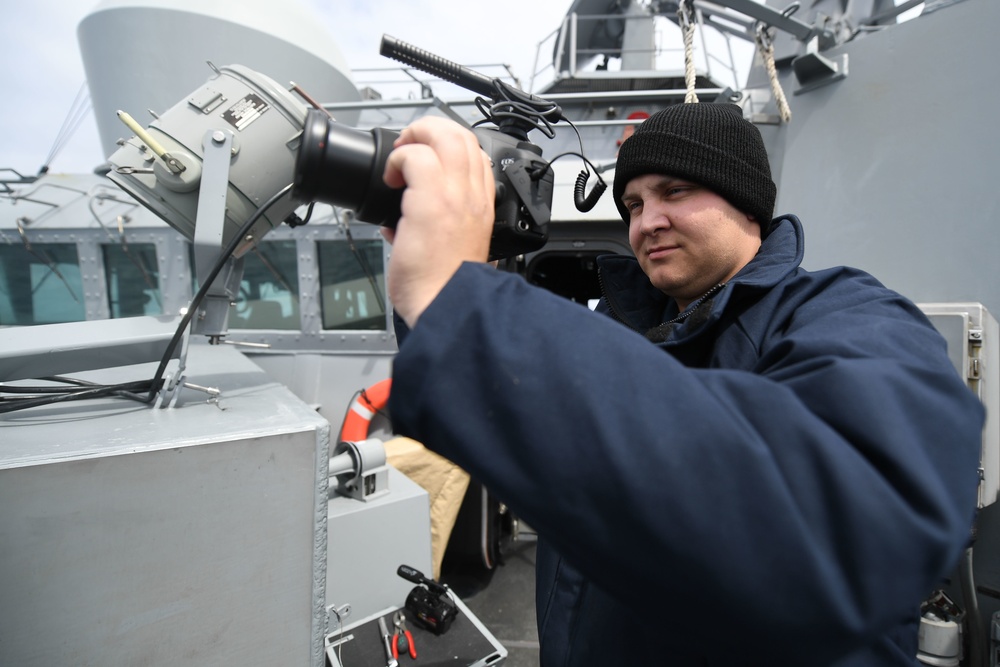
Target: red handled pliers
(402, 640)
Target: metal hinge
(975, 342)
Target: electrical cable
(514, 105)
(584, 203)
(366, 267)
(207, 284)
(98, 391)
(978, 637)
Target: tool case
(467, 643)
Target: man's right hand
(447, 210)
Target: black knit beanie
(708, 144)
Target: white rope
(687, 31)
(766, 49)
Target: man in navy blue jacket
(745, 464)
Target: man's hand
(447, 210)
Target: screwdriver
(389, 660)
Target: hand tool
(389, 660)
(402, 639)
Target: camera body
(523, 204)
(342, 165)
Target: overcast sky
(43, 72)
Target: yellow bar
(142, 134)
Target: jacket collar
(633, 299)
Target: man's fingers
(405, 164)
(447, 210)
(451, 147)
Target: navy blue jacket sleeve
(815, 498)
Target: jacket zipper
(611, 306)
(693, 307)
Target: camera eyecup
(341, 165)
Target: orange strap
(364, 407)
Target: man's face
(687, 238)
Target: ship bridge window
(133, 280)
(269, 291)
(40, 283)
(352, 284)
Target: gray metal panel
(186, 536)
(370, 540)
(329, 381)
(57, 349)
(973, 337)
(894, 169)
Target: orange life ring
(629, 129)
(364, 407)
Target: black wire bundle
(511, 106)
(143, 391)
(30, 397)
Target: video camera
(429, 602)
(341, 165)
